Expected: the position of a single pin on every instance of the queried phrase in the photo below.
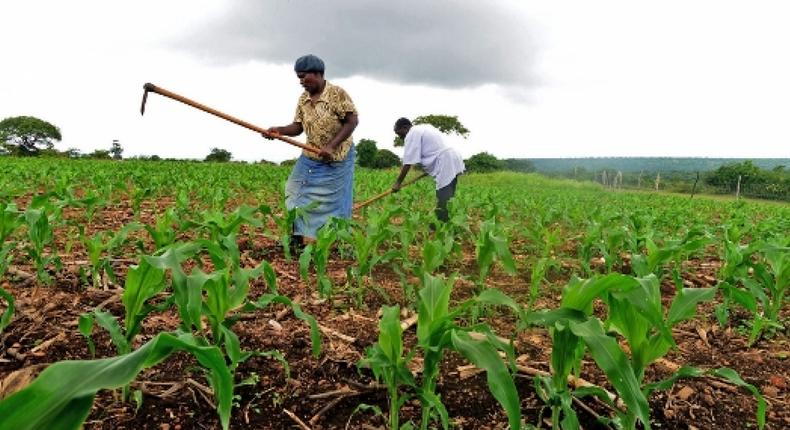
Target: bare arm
(403, 172)
(292, 129)
(350, 122)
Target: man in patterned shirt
(322, 185)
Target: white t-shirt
(424, 145)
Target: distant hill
(647, 164)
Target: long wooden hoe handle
(161, 91)
(388, 192)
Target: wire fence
(680, 182)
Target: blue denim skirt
(324, 189)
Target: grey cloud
(445, 43)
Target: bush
(483, 163)
(218, 155)
(385, 159)
(366, 153)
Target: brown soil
(44, 330)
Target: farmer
(424, 144)
(322, 183)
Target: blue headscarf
(309, 63)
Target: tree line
(30, 136)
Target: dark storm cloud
(460, 43)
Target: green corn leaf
(565, 355)
(579, 294)
(108, 322)
(483, 355)
(684, 305)
(5, 319)
(267, 299)
(62, 395)
(390, 331)
(723, 372)
(743, 298)
(304, 262)
(433, 307)
(192, 300)
(734, 378)
(85, 326)
(611, 359)
(142, 283)
(232, 344)
(431, 400)
(216, 300)
(493, 296)
(188, 305)
(270, 276)
(548, 318)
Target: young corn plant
(549, 240)
(10, 220)
(673, 251)
(492, 245)
(389, 364)
(366, 241)
(8, 313)
(219, 225)
(143, 282)
(573, 331)
(285, 226)
(318, 252)
(214, 295)
(636, 313)
(62, 395)
(40, 236)
(756, 277)
(434, 253)
(139, 194)
(92, 201)
(100, 248)
(437, 332)
(163, 232)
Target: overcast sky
(570, 78)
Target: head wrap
(309, 63)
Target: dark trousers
(443, 195)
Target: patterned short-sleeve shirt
(322, 120)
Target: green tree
(727, 175)
(385, 159)
(447, 124)
(100, 154)
(27, 135)
(219, 155)
(483, 162)
(366, 152)
(116, 150)
(288, 163)
(519, 165)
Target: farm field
(542, 303)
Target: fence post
(695, 186)
(658, 179)
(738, 188)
